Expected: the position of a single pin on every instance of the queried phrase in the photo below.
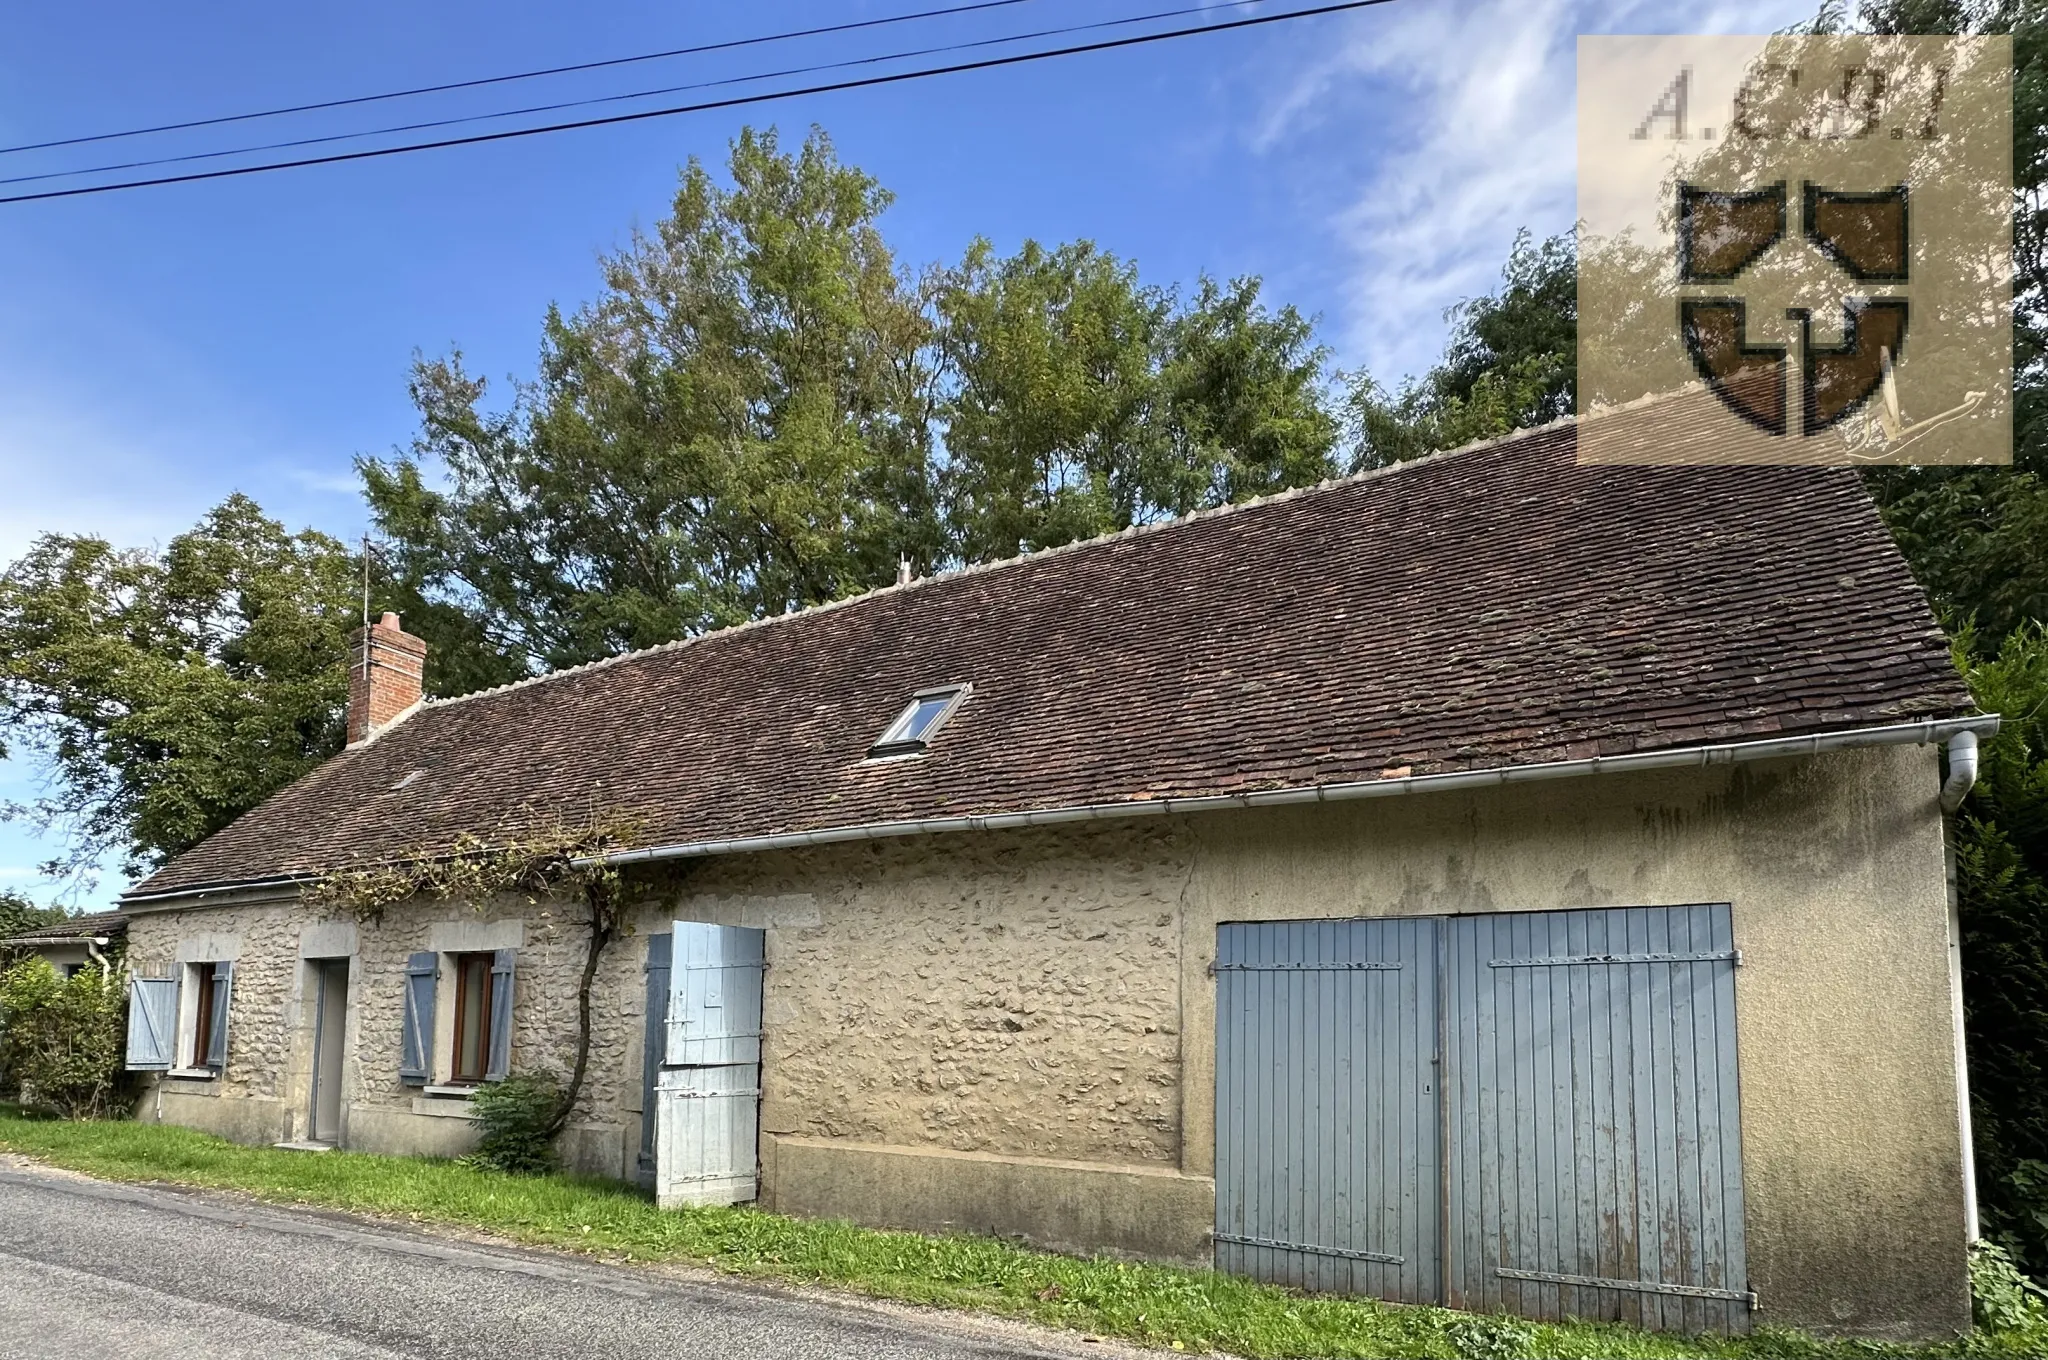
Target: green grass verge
(1193, 1310)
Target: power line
(737, 101)
(518, 75)
(618, 98)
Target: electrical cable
(620, 98)
(518, 75)
(737, 101)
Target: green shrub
(1485, 1336)
(2001, 859)
(514, 1115)
(61, 1038)
(2001, 1298)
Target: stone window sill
(193, 1073)
(445, 1102)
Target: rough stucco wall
(1013, 994)
(1833, 866)
(1018, 993)
(1851, 1141)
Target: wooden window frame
(202, 1013)
(471, 969)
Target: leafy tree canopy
(736, 427)
(765, 409)
(1511, 362)
(17, 914)
(166, 692)
(1078, 401)
(2001, 841)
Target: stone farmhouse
(1488, 880)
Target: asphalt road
(89, 1269)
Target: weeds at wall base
(1189, 1310)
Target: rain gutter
(1916, 733)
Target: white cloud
(327, 481)
(1471, 109)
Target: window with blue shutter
(152, 1023)
(416, 1049)
(217, 1030)
(500, 1065)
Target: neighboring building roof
(72, 930)
(1496, 605)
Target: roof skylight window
(920, 721)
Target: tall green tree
(1978, 537)
(17, 914)
(166, 692)
(1248, 411)
(2001, 845)
(1510, 362)
(1080, 400)
(1052, 426)
(739, 425)
(764, 409)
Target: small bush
(61, 1038)
(514, 1115)
(2001, 1298)
(1484, 1336)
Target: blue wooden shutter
(652, 1042)
(217, 1036)
(714, 1010)
(416, 1051)
(500, 1064)
(152, 1023)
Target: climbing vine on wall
(535, 857)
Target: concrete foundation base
(245, 1119)
(1155, 1213)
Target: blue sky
(161, 348)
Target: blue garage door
(1326, 1109)
(1580, 1155)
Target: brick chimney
(384, 677)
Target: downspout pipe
(1962, 776)
(1962, 770)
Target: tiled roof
(90, 926)
(1492, 606)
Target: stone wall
(1014, 1032)
(270, 1023)
(1020, 995)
